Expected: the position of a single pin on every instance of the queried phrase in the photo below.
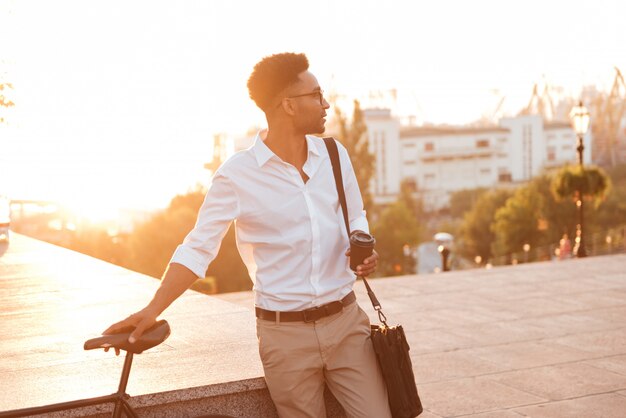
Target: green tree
(612, 212)
(228, 269)
(558, 216)
(353, 136)
(476, 236)
(152, 244)
(516, 222)
(96, 242)
(463, 201)
(590, 181)
(415, 205)
(395, 228)
(538, 216)
(580, 184)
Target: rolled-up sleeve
(201, 245)
(356, 212)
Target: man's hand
(369, 264)
(176, 280)
(140, 321)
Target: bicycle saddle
(151, 337)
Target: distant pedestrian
(565, 248)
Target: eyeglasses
(319, 93)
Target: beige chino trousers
(299, 358)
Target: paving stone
(470, 396)
(450, 365)
(539, 306)
(570, 323)
(497, 414)
(600, 343)
(564, 381)
(616, 364)
(428, 414)
(432, 341)
(412, 321)
(501, 332)
(605, 298)
(599, 406)
(615, 315)
(523, 355)
(576, 285)
(515, 292)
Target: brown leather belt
(308, 315)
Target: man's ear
(288, 106)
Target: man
(291, 236)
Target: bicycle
(152, 337)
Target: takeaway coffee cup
(361, 247)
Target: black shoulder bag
(390, 345)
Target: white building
(441, 160)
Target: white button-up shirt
(290, 234)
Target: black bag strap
(333, 152)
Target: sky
(117, 102)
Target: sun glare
(135, 110)
(96, 212)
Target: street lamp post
(406, 251)
(445, 253)
(580, 123)
(526, 249)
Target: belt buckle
(306, 313)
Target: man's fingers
(135, 335)
(369, 265)
(139, 330)
(119, 326)
(117, 350)
(110, 330)
(371, 259)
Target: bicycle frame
(119, 399)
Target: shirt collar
(263, 154)
(311, 146)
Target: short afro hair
(273, 74)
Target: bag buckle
(381, 316)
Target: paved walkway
(536, 340)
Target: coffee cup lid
(362, 238)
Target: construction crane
(386, 98)
(540, 103)
(492, 115)
(608, 120)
